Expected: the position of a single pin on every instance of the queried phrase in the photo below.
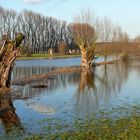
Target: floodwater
(67, 96)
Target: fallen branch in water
(55, 72)
(105, 62)
(45, 76)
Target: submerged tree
(85, 37)
(9, 51)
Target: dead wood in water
(55, 72)
(105, 62)
(36, 78)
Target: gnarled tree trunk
(9, 51)
(87, 56)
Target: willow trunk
(9, 51)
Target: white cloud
(32, 1)
(39, 1)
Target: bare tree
(45, 33)
(84, 35)
(62, 47)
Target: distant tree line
(43, 33)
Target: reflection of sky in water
(53, 62)
(131, 90)
(77, 94)
(49, 62)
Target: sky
(125, 13)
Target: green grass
(106, 126)
(104, 129)
(46, 56)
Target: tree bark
(87, 56)
(9, 51)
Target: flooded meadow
(70, 101)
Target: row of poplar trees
(43, 33)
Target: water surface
(68, 96)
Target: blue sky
(126, 13)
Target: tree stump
(9, 51)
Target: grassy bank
(46, 56)
(119, 123)
(114, 123)
(59, 56)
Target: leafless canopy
(83, 29)
(84, 34)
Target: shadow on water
(8, 117)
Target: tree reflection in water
(97, 86)
(94, 87)
(8, 117)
